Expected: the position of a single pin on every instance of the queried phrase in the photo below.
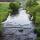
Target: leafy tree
(31, 3)
(14, 7)
(30, 6)
(34, 12)
(34, 8)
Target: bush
(37, 31)
(14, 7)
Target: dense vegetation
(14, 6)
(33, 7)
(3, 10)
(3, 13)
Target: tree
(34, 9)
(14, 8)
(30, 6)
(31, 3)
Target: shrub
(14, 7)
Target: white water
(22, 21)
(22, 18)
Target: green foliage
(34, 9)
(38, 38)
(37, 30)
(31, 7)
(3, 13)
(37, 8)
(14, 6)
(0, 25)
(31, 3)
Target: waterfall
(22, 18)
(19, 27)
(15, 24)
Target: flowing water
(19, 27)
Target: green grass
(4, 10)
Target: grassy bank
(4, 10)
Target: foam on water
(22, 18)
(21, 21)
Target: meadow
(4, 10)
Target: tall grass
(4, 10)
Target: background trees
(30, 6)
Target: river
(19, 27)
